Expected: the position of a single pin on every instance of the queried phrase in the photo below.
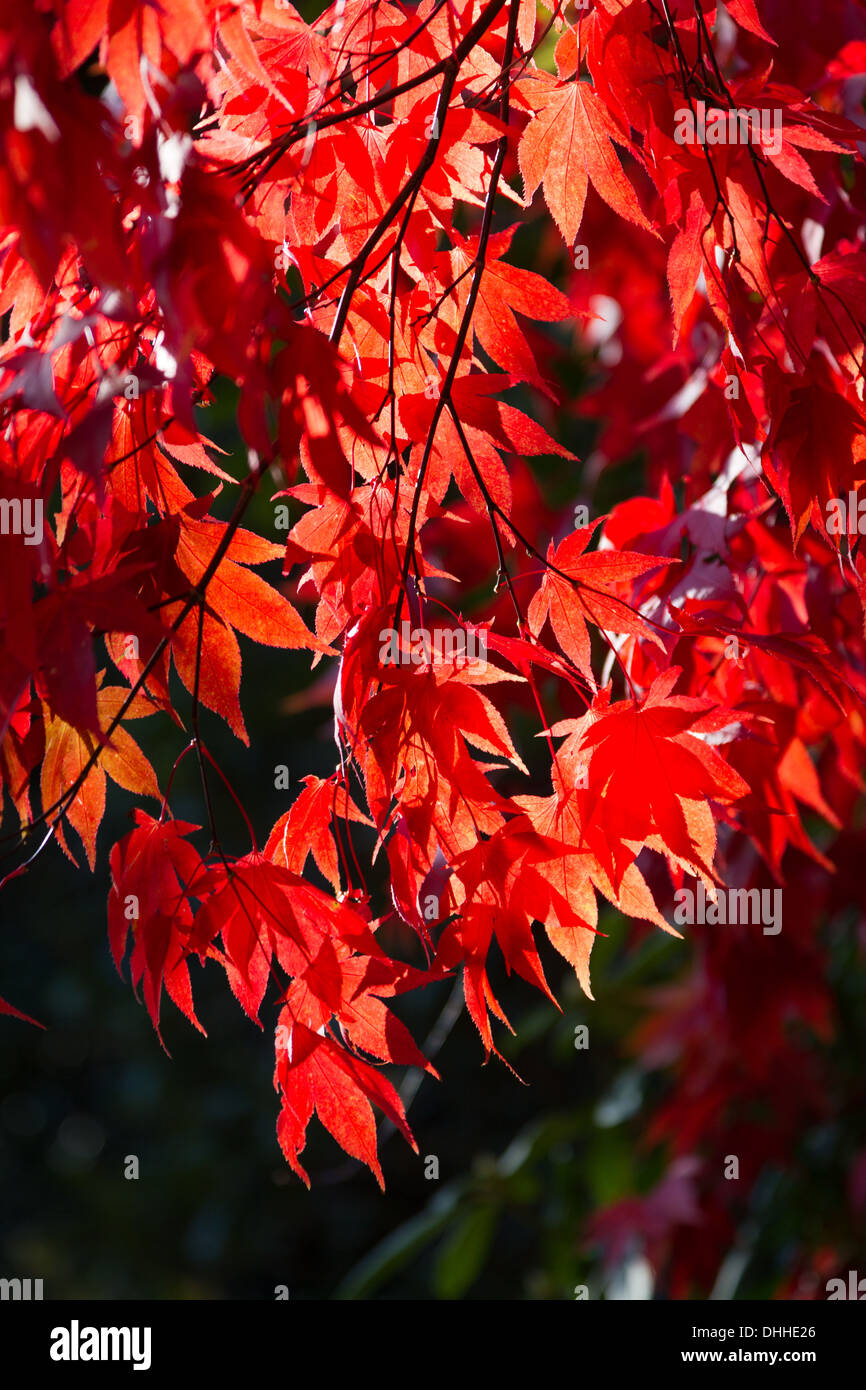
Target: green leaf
(462, 1257)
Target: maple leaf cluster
(330, 217)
